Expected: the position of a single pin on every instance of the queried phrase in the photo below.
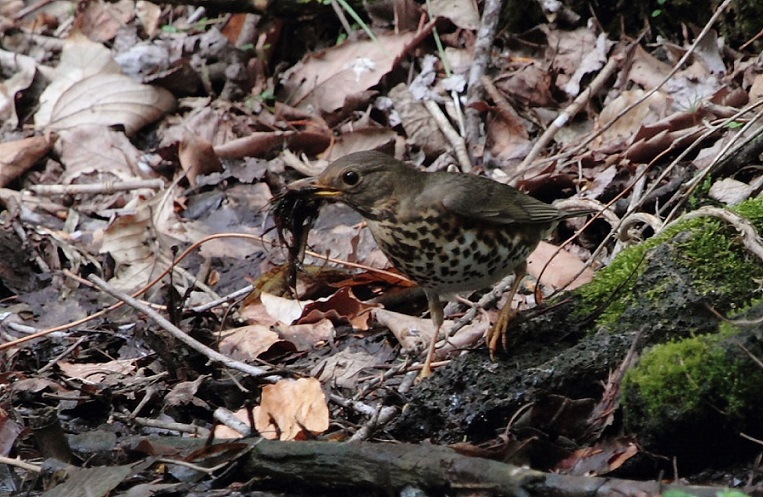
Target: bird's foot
(426, 372)
(498, 330)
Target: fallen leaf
(197, 157)
(325, 80)
(290, 409)
(249, 342)
(562, 270)
(95, 373)
(88, 88)
(342, 306)
(18, 156)
(343, 368)
(462, 13)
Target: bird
(448, 232)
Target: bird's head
(362, 180)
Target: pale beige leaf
(109, 100)
(80, 59)
(127, 239)
(97, 151)
(281, 309)
(94, 373)
(88, 87)
(462, 13)
(248, 342)
(562, 270)
(342, 369)
(290, 407)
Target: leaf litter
(210, 109)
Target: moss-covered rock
(689, 398)
(705, 262)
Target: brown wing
(482, 198)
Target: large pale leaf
(110, 99)
(88, 87)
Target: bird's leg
(498, 330)
(437, 316)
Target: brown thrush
(448, 232)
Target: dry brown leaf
(561, 269)
(325, 80)
(340, 307)
(569, 49)
(730, 191)
(101, 21)
(507, 138)
(591, 62)
(110, 100)
(248, 342)
(600, 459)
(185, 393)
(291, 409)
(646, 70)
(529, 83)
(98, 152)
(462, 13)
(80, 59)
(419, 126)
(647, 112)
(252, 145)
(197, 157)
(18, 156)
(282, 310)
(306, 336)
(94, 373)
(342, 369)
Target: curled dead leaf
(290, 409)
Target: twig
(224, 299)
(10, 461)
(60, 356)
(483, 45)
(228, 419)
(165, 425)
(564, 117)
(186, 252)
(383, 415)
(181, 336)
(106, 187)
(195, 467)
(458, 144)
(722, 154)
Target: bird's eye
(350, 178)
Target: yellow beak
(309, 186)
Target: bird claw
(425, 372)
(499, 331)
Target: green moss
(711, 252)
(675, 378)
(719, 263)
